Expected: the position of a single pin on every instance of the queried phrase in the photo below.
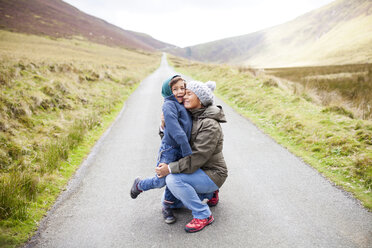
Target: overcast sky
(190, 22)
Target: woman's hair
(175, 80)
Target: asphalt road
(270, 199)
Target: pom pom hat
(204, 91)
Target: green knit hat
(166, 89)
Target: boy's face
(178, 90)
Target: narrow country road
(270, 199)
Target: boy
(174, 144)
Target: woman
(204, 171)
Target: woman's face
(178, 90)
(191, 101)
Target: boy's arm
(174, 128)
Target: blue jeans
(167, 154)
(191, 189)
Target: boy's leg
(142, 185)
(167, 207)
(171, 156)
(151, 183)
(169, 198)
(166, 154)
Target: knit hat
(166, 89)
(204, 91)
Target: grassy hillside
(338, 33)
(57, 97)
(343, 88)
(336, 145)
(57, 18)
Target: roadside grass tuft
(58, 150)
(331, 139)
(338, 110)
(16, 189)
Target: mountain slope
(338, 33)
(59, 19)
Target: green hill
(56, 18)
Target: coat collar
(212, 111)
(196, 113)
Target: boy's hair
(175, 80)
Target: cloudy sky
(190, 22)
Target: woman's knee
(172, 179)
(169, 179)
(173, 183)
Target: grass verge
(15, 232)
(336, 145)
(57, 97)
(346, 88)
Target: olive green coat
(206, 144)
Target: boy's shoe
(168, 215)
(198, 224)
(134, 191)
(214, 200)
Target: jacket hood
(166, 89)
(214, 112)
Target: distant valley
(338, 33)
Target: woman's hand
(162, 170)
